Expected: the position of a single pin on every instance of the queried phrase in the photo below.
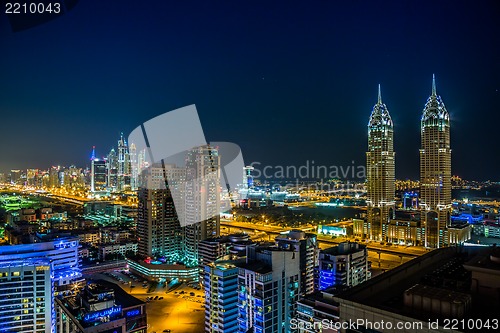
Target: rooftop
(434, 269)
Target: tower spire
(93, 154)
(433, 85)
(379, 95)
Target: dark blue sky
(288, 82)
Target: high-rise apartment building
(158, 226)
(268, 290)
(134, 170)
(201, 218)
(435, 170)
(221, 301)
(306, 247)
(380, 171)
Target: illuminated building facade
(202, 199)
(124, 167)
(26, 294)
(221, 290)
(158, 226)
(343, 265)
(112, 170)
(380, 171)
(268, 290)
(306, 247)
(247, 177)
(101, 307)
(134, 170)
(62, 253)
(212, 249)
(435, 171)
(98, 173)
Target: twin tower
(435, 172)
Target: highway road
(388, 256)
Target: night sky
(288, 82)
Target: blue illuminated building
(469, 218)
(410, 200)
(221, 296)
(268, 290)
(343, 265)
(26, 294)
(101, 306)
(62, 254)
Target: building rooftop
(257, 266)
(440, 269)
(344, 248)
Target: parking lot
(180, 310)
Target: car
(161, 297)
(166, 331)
(191, 294)
(156, 297)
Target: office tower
(26, 294)
(247, 177)
(343, 265)
(123, 170)
(268, 290)
(112, 170)
(221, 290)
(306, 245)
(98, 173)
(100, 307)
(202, 200)
(158, 226)
(435, 170)
(380, 172)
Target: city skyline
(131, 73)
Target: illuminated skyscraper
(248, 177)
(112, 170)
(123, 172)
(202, 202)
(380, 170)
(97, 173)
(435, 170)
(133, 167)
(158, 226)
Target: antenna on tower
(379, 95)
(93, 154)
(433, 85)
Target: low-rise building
(101, 306)
(120, 249)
